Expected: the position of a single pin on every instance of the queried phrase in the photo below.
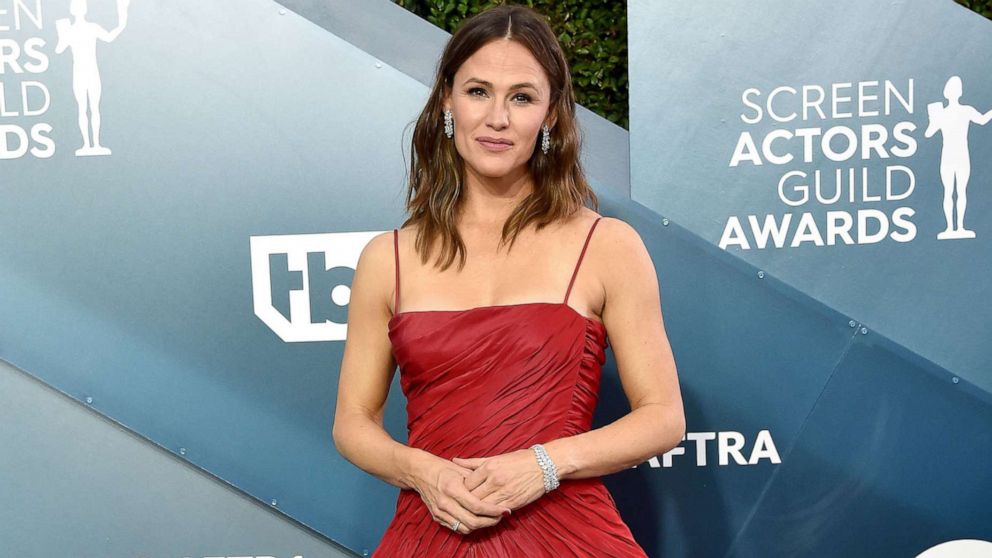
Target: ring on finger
(454, 526)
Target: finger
(465, 471)
(475, 479)
(471, 462)
(447, 520)
(451, 511)
(476, 505)
(483, 490)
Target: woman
(500, 366)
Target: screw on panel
(282, 12)
(365, 552)
(665, 221)
(89, 400)
(182, 451)
(864, 331)
(761, 274)
(273, 502)
(852, 323)
(378, 64)
(955, 379)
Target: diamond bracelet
(547, 467)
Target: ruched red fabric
(495, 379)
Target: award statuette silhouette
(955, 161)
(80, 36)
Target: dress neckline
(495, 307)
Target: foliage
(593, 36)
(983, 7)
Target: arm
(62, 27)
(367, 369)
(121, 22)
(109, 36)
(935, 113)
(981, 119)
(645, 362)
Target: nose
(498, 117)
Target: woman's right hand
(441, 485)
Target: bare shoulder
(378, 252)
(582, 220)
(617, 235)
(620, 254)
(614, 252)
(617, 230)
(375, 269)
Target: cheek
(535, 128)
(468, 111)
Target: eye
(524, 95)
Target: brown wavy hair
(437, 171)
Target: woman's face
(488, 101)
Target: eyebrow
(490, 85)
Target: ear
(446, 98)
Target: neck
(489, 201)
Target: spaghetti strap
(581, 254)
(396, 252)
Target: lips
(494, 144)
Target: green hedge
(594, 37)
(983, 7)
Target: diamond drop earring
(449, 124)
(545, 139)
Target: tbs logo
(300, 283)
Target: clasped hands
(478, 492)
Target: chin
(494, 172)
(491, 170)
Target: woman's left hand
(512, 479)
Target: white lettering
(729, 445)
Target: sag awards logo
(23, 99)
(300, 283)
(834, 168)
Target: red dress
(492, 380)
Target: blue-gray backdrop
(190, 281)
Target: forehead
(504, 63)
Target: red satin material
(492, 380)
